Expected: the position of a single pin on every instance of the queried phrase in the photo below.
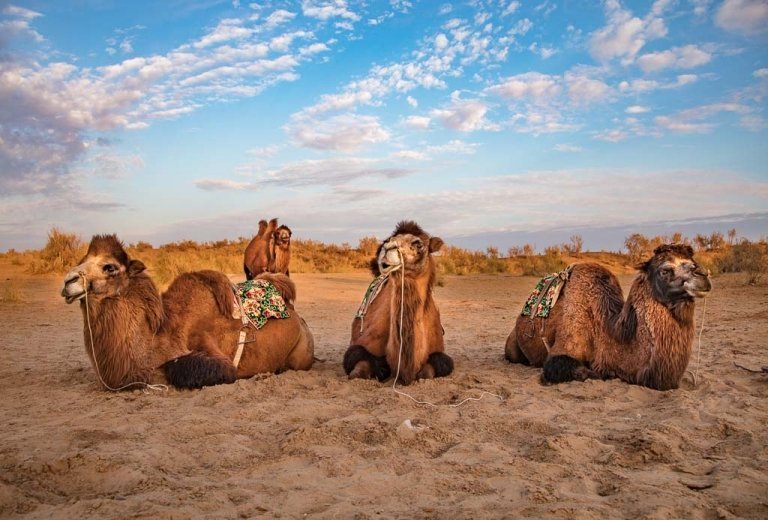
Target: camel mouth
(70, 298)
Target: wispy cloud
(743, 16)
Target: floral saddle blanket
(545, 294)
(256, 301)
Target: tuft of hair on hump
(408, 227)
(282, 283)
(108, 245)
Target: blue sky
(163, 121)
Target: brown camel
(397, 328)
(133, 335)
(259, 253)
(281, 250)
(591, 332)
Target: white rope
(146, 386)
(695, 372)
(400, 352)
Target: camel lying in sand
(133, 335)
(269, 251)
(591, 332)
(397, 328)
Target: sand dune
(317, 445)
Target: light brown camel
(591, 332)
(259, 254)
(280, 247)
(397, 328)
(133, 335)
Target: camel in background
(269, 251)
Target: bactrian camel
(190, 335)
(592, 332)
(397, 329)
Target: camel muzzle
(73, 290)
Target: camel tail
(282, 283)
(198, 369)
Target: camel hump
(282, 283)
(221, 288)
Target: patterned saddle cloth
(258, 300)
(370, 294)
(544, 296)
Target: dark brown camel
(591, 332)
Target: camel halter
(695, 371)
(146, 386)
(400, 352)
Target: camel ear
(435, 243)
(135, 267)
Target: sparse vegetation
(717, 252)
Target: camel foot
(198, 369)
(359, 363)
(561, 369)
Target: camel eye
(109, 269)
(418, 245)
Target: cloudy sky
(193, 119)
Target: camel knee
(560, 369)
(512, 352)
(198, 369)
(303, 354)
(359, 363)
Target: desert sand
(314, 444)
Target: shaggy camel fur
(381, 343)
(259, 254)
(132, 334)
(592, 332)
(280, 247)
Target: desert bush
(61, 252)
(745, 257)
(575, 246)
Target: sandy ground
(313, 444)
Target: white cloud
(567, 148)
(20, 12)
(583, 90)
(418, 122)
(411, 155)
(343, 132)
(441, 41)
(613, 136)
(412, 102)
(700, 7)
(636, 109)
(743, 16)
(324, 10)
(625, 34)
(677, 125)
(463, 115)
(510, 8)
(686, 57)
(278, 17)
(227, 29)
(533, 86)
(761, 73)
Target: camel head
(103, 271)
(408, 248)
(283, 236)
(674, 275)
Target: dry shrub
(61, 252)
